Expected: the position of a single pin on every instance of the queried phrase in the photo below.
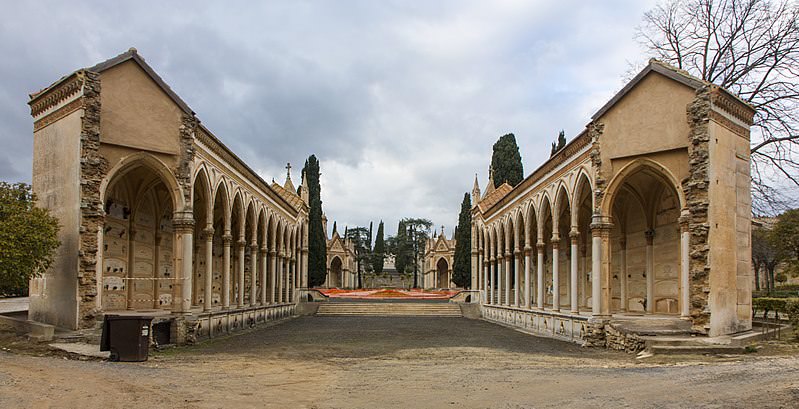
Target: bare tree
(750, 47)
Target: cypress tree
(507, 161)
(379, 254)
(317, 245)
(462, 265)
(401, 258)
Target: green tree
(462, 265)
(765, 256)
(400, 248)
(506, 161)
(418, 231)
(560, 144)
(317, 243)
(785, 236)
(28, 238)
(379, 253)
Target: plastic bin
(127, 337)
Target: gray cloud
(401, 102)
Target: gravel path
(372, 362)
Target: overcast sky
(400, 101)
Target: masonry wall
(56, 167)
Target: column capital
(254, 246)
(241, 242)
(208, 232)
(264, 249)
(528, 248)
(574, 235)
(684, 219)
(540, 246)
(650, 236)
(272, 252)
(600, 225)
(227, 239)
(183, 225)
(517, 251)
(555, 242)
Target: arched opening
(645, 243)
(138, 260)
(221, 224)
(531, 226)
(442, 271)
(546, 237)
(562, 285)
(335, 278)
(583, 209)
(201, 199)
(237, 240)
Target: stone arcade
(158, 216)
(644, 216)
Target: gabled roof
(495, 196)
(659, 67)
(130, 55)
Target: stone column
(574, 236)
(527, 271)
(555, 272)
(650, 271)
(600, 274)
(492, 269)
(623, 274)
(516, 283)
(240, 277)
(264, 286)
(253, 272)
(500, 273)
(478, 285)
(272, 275)
(184, 230)
(685, 287)
(583, 277)
(506, 275)
(226, 240)
(540, 274)
(209, 268)
(280, 262)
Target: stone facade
(438, 260)
(158, 215)
(646, 213)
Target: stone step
(390, 309)
(696, 349)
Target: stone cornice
(56, 93)
(720, 98)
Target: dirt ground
(350, 362)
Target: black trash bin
(127, 337)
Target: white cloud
(400, 101)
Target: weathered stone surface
(696, 193)
(93, 169)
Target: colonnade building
(644, 215)
(157, 215)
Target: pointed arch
(639, 165)
(144, 159)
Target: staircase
(389, 309)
